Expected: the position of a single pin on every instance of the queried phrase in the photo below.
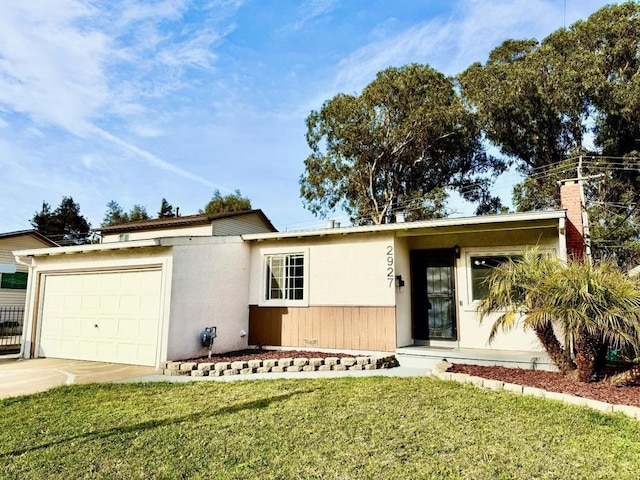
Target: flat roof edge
(392, 227)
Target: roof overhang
(525, 220)
(89, 248)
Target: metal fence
(11, 321)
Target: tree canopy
(65, 225)
(116, 215)
(568, 106)
(166, 209)
(233, 202)
(398, 146)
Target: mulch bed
(555, 382)
(550, 381)
(246, 355)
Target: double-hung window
(285, 278)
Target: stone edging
(628, 410)
(220, 369)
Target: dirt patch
(555, 382)
(246, 355)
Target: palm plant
(592, 306)
(599, 306)
(515, 293)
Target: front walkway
(417, 356)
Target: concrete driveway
(23, 377)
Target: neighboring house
(204, 225)
(13, 286)
(370, 288)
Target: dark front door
(433, 295)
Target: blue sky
(132, 100)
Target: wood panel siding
(349, 328)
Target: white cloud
(146, 131)
(63, 65)
(152, 159)
(88, 160)
(310, 11)
(50, 69)
(195, 52)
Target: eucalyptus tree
(397, 146)
(528, 112)
(575, 94)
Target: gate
(11, 322)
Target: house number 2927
(390, 276)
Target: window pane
(274, 277)
(480, 270)
(285, 277)
(16, 281)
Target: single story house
(146, 298)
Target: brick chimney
(571, 201)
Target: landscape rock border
(628, 410)
(248, 367)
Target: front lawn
(374, 427)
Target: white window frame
(284, 302)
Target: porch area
(416, 356)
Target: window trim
(283, 302)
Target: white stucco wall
(472, 332)
(210, 288)
(342, 270)
(403, 294)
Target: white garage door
(103, 316)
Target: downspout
(562, 239)
(28, 302)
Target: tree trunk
(625, 378)
(587, 350)
(554, 349)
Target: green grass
(379, 428)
